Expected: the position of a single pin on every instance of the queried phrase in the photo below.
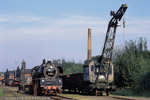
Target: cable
(123, 29)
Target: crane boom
(106, 58)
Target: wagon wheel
(107, 93)
(101, 94)
(18, 91)
(55, 93)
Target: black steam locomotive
(45, 78)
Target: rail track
(8, 94)
(61, 98)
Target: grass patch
(0, 92)
(131, 92)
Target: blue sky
(53, 29)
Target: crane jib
(106, 57)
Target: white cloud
(68, 20)
(16, 19)
(23, 36)
(70, 27)
(48, 25)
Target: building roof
(28, 71)
(11, 72)
(87, 62)
(2, 73)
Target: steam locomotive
(45, 78)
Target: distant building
(15, 74)
(1, 77)
(27, 72)
(11, 74)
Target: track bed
(10, 93)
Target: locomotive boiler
(45, 78)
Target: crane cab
(90, 72)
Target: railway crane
(105, 60)
(96, 71)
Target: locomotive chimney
(89, 45)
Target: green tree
(132, 65)
(70, 67)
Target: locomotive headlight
(51, 66)
(45, 87)
(42, 80)
(59, 80)
(97, 70)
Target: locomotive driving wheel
(96, 92)
(35, 89)
(38, 89)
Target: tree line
(71, 67)
(132, 65)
